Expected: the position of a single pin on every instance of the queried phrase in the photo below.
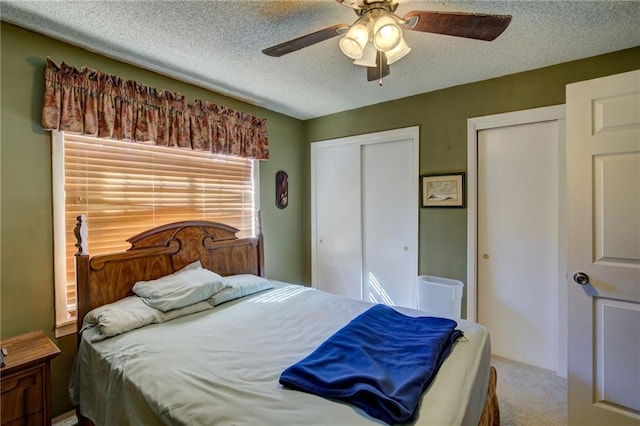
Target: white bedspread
(221, 367)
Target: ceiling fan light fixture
(378, 32)
(398, 52)
(368, 58)
(354, 42)
(387, 34)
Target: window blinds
(127, 188)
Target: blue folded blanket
(382, 362)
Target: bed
(221, 365)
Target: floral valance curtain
(90, 102)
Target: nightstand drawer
(22, 394)
(36, 419)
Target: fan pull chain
(380, 65)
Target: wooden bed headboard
(160, 251)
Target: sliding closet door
(364, 214)
(518, 240)
(389, 215)
(337, 211)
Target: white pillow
(130, 313)
(192, 265)
(239, 286)
(121, 316)
(179, 289)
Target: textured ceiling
(217, 44)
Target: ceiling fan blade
(304, 41)
(380, 70)
(468, 25)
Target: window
(125, 188)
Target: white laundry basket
(440, 296)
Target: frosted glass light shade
(368, 58)
(353, 43)
(398, 52)
(386, 33)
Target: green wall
(442, 116)
(26, 286)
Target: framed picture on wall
(282, 189)
(442, 190)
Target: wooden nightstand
(25, 380)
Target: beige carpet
(530, 396)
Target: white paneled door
(603, 177)
(365, 216)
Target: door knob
(581, 278)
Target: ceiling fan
(375, 39)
